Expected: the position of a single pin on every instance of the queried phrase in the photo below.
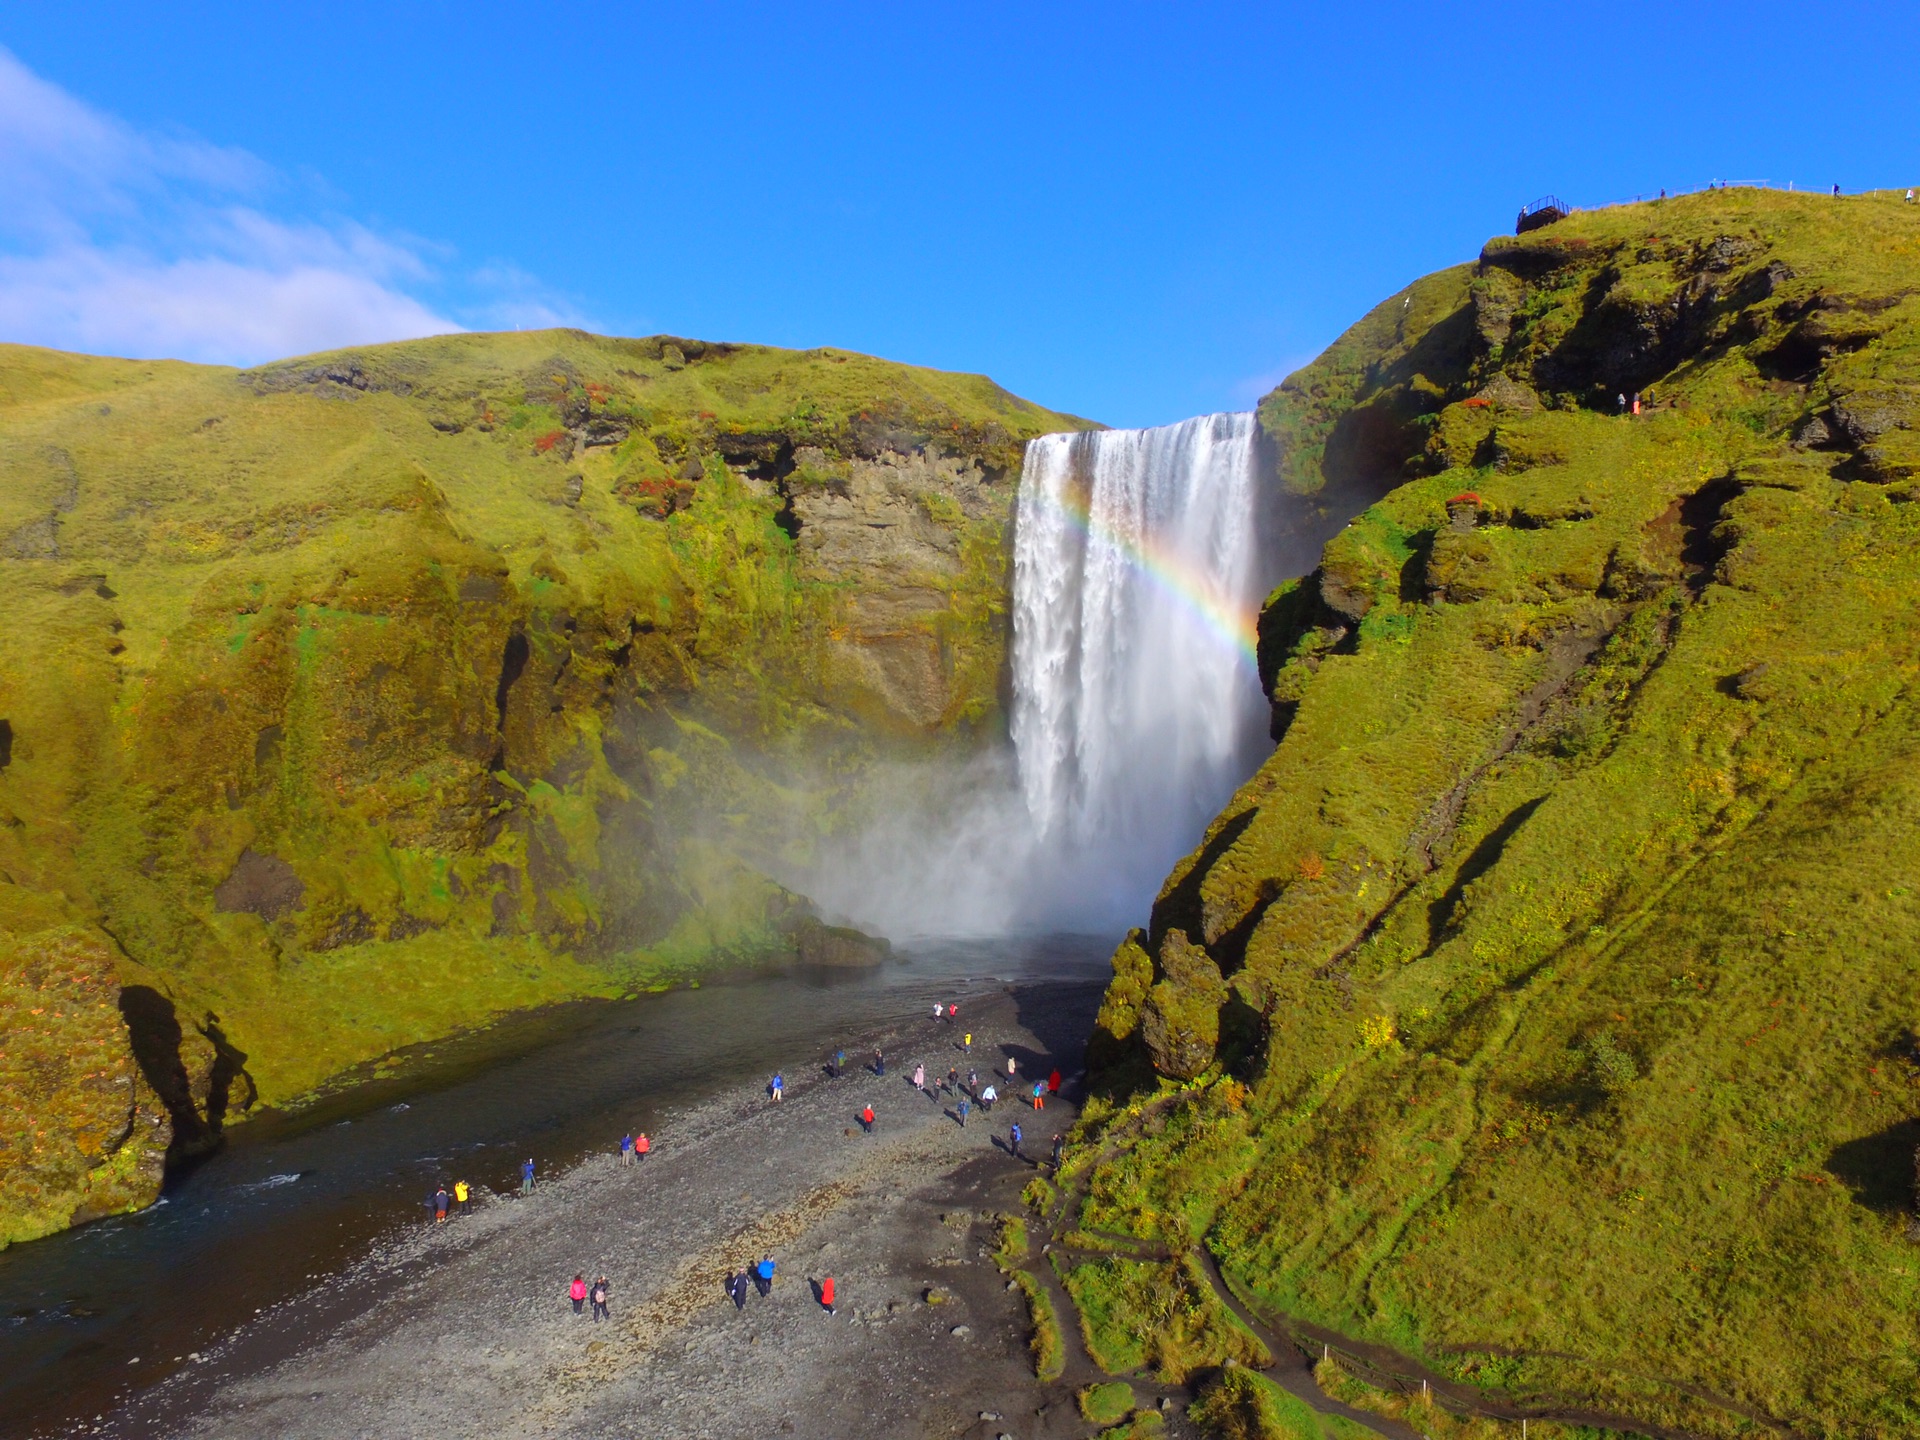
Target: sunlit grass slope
(1568, 940)
(355, 699)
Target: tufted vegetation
(1566, 941)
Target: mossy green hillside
(352, 700)
(1566, 941)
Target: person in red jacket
(826, 1294)
(866, 1119)
(642, 1146)
(577, 1292)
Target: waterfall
(1140, 560)
(1137, 705)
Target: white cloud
(120, 241)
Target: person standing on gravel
(987, 1097)
(642, 1146)
(826, 1293)
(461, 1195)
(961, 1110)
(1053, 1083)
(919, 1077)
(777, 1087)
(763, 1275)
(1039, 1094)
(879, 1063)
(966, 1042)
(577, 1292)
(442, 1202)
(626, 1151)
(600, 1311)
(866, 1119)
(839, 1063)
(1013, 1141)
(737, 1288)
(939, 1012)
(1059, 1148)
(526, 1176)
(973, 1082)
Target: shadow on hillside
(1879, 1169)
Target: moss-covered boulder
(363, 697)
(1579, 901)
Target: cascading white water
(1140, 561)
(1137, 706)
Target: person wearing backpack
(599, 1298)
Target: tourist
(919, 1077)
(736, 1288)
(1059, 1148)
(626, 1150)
(1013, 1064)
(879, 1063)
(1013, 1141)
(641, 1146)
(973, 1082)
(939, 1012)
(953, 1079)
(953, 1013)
(763, 1275)
(866, 1119)
(600, 1311)
(461, 1195)
(826, 1294)
(1053, 1083)
(1622, 398)
(577, 1292)
(442, 1202)
(1909, 194)
(776, 1087)
(526, 1176)
(987, 1097)
(966, 1042)
(1039, 1094)
(961, 1109)
(839, 1063)
(1836, 189)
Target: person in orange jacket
(826, 1294)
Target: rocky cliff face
(1542, 1010)
(353, 700)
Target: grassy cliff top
(1544, 1011)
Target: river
(97, 1315)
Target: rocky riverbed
(466, 1328)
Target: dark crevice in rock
(513, 664)
(1701, 546)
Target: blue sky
(1135, 213)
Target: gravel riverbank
(466, 1329)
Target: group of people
(442, 1200)
(760, 1275)
(580, 1293)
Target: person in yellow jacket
(460, 1195)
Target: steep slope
(1543, 1010)
(355, 699)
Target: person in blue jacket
(763, 1275)
(526, 1176)
(1013, 1141)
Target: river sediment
(466, 1328)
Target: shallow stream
(93, 1316)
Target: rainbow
(1173, 574)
